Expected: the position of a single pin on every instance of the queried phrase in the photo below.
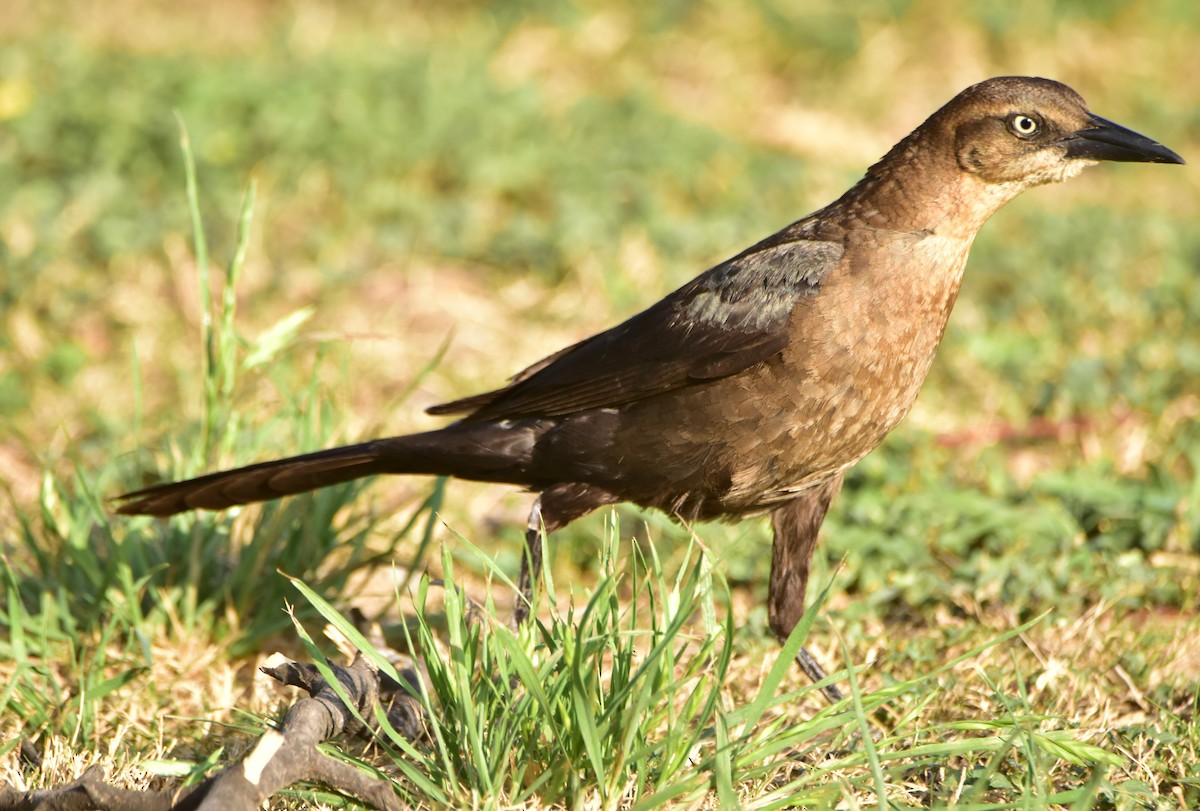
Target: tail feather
(260, 482)
(498, 452)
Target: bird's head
(1029, 131)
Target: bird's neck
(918, 189)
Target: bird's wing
(726, 320)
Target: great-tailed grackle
(754, 386)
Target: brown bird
(754, 386)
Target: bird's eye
(1023, 126)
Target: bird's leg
(797, 524)
(531, 565)
(553, 509)
(812, 668)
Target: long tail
(481, 451)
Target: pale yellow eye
(1023, 126)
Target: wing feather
(731, 317)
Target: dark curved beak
(1106, 141)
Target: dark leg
(797, 524)
(531, 564)
(553, 509)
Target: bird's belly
(858, 356)
(866, 350)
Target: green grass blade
(204, 278)
(750, 714)
(227, 337)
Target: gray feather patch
(758, 290)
